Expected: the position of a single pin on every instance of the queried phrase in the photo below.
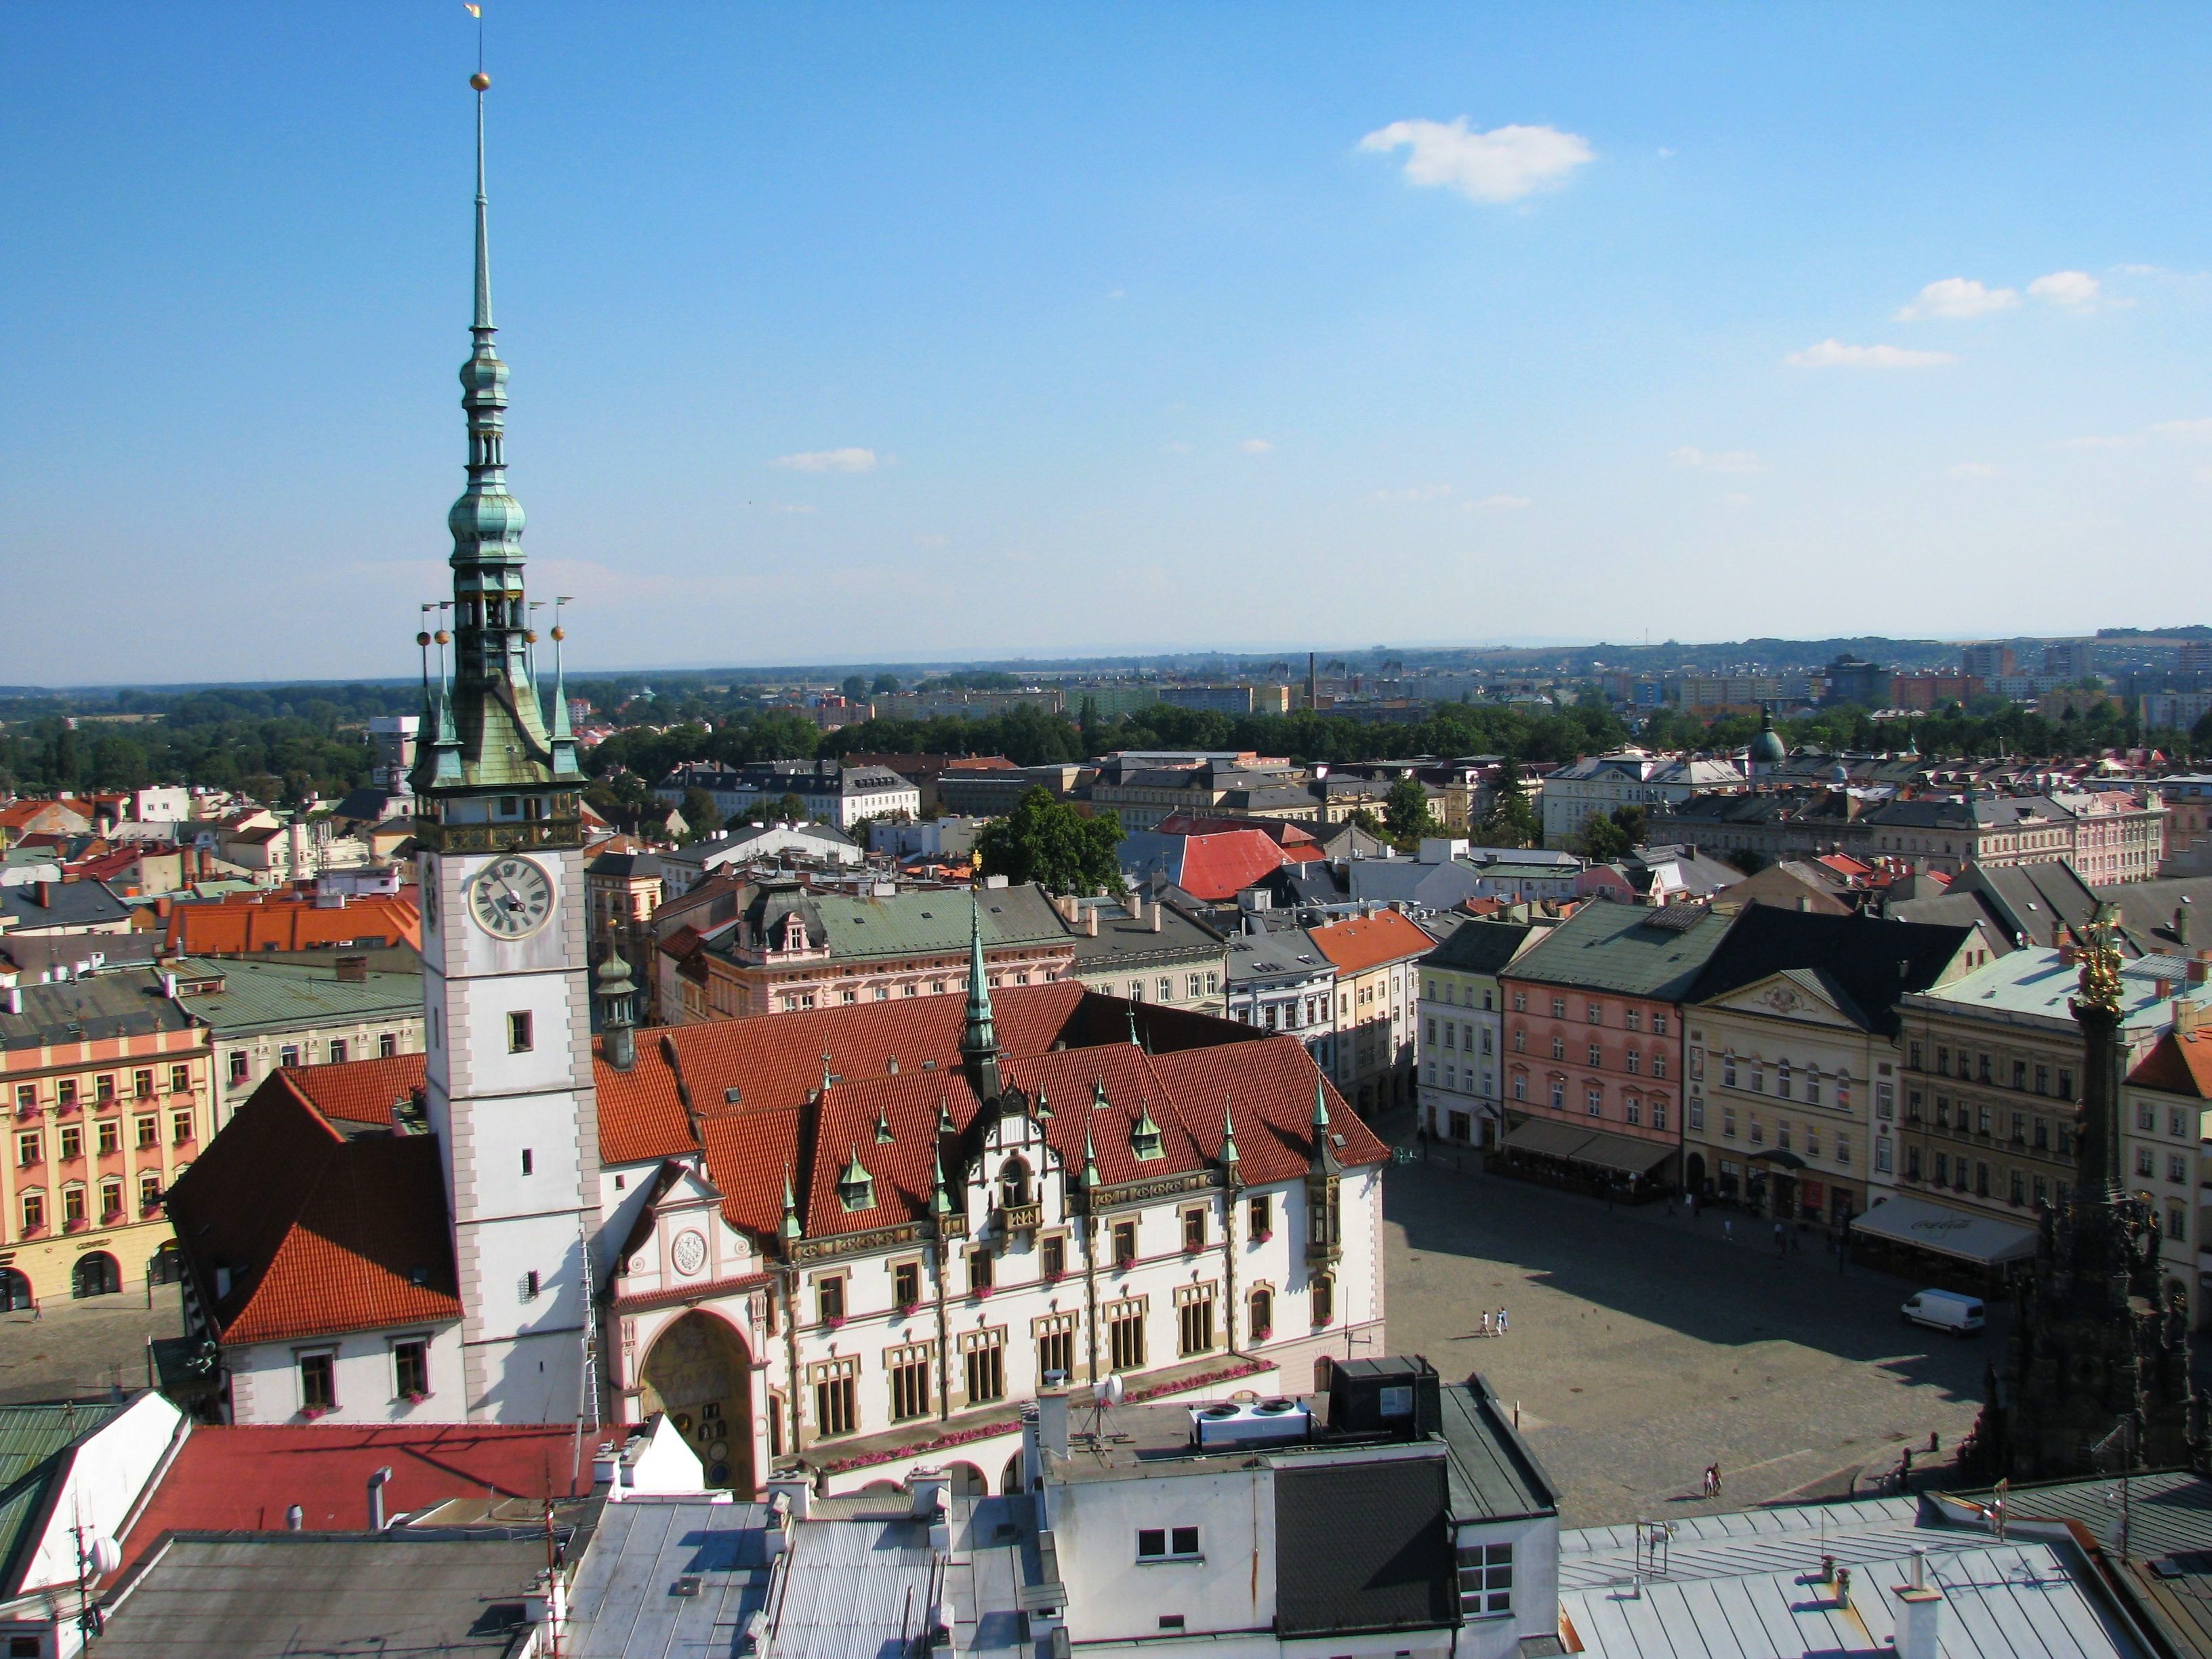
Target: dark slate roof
(1982, 812)
(1872, 963)
(62, 904)
(1479, 947)
(1364, 1546)
(1494, 1475)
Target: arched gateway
(699, 1373)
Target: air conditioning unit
(1251, 1423)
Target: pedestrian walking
(1728, 1230)
(1485, 1330)
(1716, 1480)
(1501, 1331)
(1781, 1240)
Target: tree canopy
(1046, 841)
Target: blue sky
(908, 331)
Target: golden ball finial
(560, 633)
(480, 81)
(421, 638)
(530, 635)
(443, 637)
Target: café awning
(1985, 1240)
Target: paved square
(1641, 1349)
(82, 1350)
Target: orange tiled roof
(1363, 942)
(218, 928)
(2177, 1064)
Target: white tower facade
(508, 1055)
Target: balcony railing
(1020, 1218)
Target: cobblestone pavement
(81, 1350)
(1643, 1347)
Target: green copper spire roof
(492, 731)
(979, 1042)
(1228, 1155)
(790, 1228)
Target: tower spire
(979, 1041)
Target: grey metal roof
(624, 1599)
(1630, 949)
(850, 1590)
(1276, 953)
(289, 1595)
(1778, 1540)
(1123, 942)
(282, 996)
(93, 1009)
(2000, 1601)
(1494, 1475)
(2169, 1513)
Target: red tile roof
(226, 1480)
(2177, 1064)
(320, 1233)
(1217, 867)
(1364, 942)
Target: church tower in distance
(498, 827)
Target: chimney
(1136, 903)
(2187, 1017)
(1156, 918)
(2199, 969)
(931, 1489)
(169, 987)
(44, 891)
(14, 999)
(1090, 921)
(353, 971)
(1919, 1613)
(376, 1484)
(295, 1519)
(2162, 987)
(798, 1492)
(1052, 1422)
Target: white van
(1943, 1310)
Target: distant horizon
(1101, 661)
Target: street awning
(1623, 1154)
(1778, 1158)
(1981, 1239)
(1545, 1139)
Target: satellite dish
(1109, 1393)
(105, 1555)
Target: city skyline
(822, 330)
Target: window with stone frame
(983, 1356)
(909, 1369)
(1055, 1346)
(1195, 1320)
(836, 1402)
(1125, 1334)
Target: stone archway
(95, 1274)
(698, 1372)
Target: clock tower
(498, 830)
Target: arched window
(1324, 1301)
(1013, 1183)
(1259, 1318)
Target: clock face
(511, 897)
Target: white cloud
(1117, 293)
(790, 507)
(1971, 470)
(2075, 289)
(931, 541)
(2194, 431)
(1256, 445)
(1176, 447)
(1503, 165)
(1502, 503)
(1959, 296)
(1834, 353)
(1723, 460)
(1414, 492)
(1736, 499)
(829, 460)
(2096, 441)
(1665, 151)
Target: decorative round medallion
(511, 897)
(690, 1251)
